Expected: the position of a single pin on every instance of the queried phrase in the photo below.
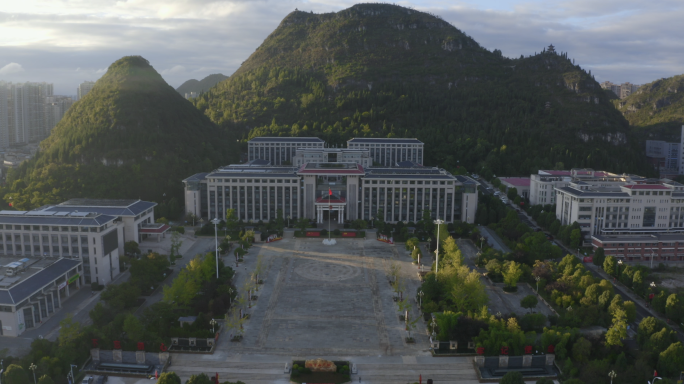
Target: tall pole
(216, 221)
(438, 222)
(329, 212)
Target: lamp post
(288, 221)
(420, 298)
(652, 254)
(33, 368)
(216, 221)
(71, 368)
(213, 322)
(537, 278)
(618, 269)
(372, 218)
(438, 222)
(612, 375)
(434, 325)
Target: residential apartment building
(24, 112)
(279, 150)
(389, 152)
(83, 89)
(55, 108)
(620, 90)
(257, 189)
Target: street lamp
(33, 368)
(438, 222)
(420, 302)
(652, 254)
(618, 268)
(434, 325)
(216, 221)
(612, 375)
(71, 367)
(213, 322)
(653, 284)
(537, 278)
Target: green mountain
(380, 70)
(132, 136)
(656, 110)
(199, 86)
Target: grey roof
(287, 139)
(38, 281)
(466, 180)
(197, 177)
(408, 164)
(656, 237)
(35, 218)
(677, 194)
(579, 193)
(104, 206)
(414, 176)
(384, 140)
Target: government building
(368, 178)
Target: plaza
(333, 302)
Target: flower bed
(300, 374)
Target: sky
(66, 42)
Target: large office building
(83, 89)
(257, 189)
(279, 150)
(389, 152)
(543, 184)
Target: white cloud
(619, 40)
(11, 68)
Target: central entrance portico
(326, 189)
(332, 209)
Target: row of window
(48, 228)
(411, 182)
(255, 181)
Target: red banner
(348, 234)
(588, 259)
(314, 234)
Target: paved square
(329, 300)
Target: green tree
(45, 379)
(70, 332)
(674, 308)
(638, 282)
(359, 224)
(529, 301)
(609, 265)
(183, 289)
(231, 220)
(134, 329)
(555, 227)
(131, 249)
(15, 374)
(630, 310)
(412, 243)
(511, 273)
(427, 223)
(121, 296)
(202, 378)
(452, 254)
(671, 360)
(599, 256)
(575, 238)
(176, 243)
(467, 291)
(618, 331)
(169, 378)
(648, 326)
(512, 193)
(512, 378)
(581, 350)
(302, 223)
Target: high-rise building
(4, 117)
(83, 89)
(24, 113)
(55, 108)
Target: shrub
(324, 232)
(337, 232)
(529, 301)
(512, 378)
(533, 322)
(178, 229)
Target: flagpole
(329, 212)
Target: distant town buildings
(621, 90)
(83, 89)
(28, 112)
(666, 157)
(191, 95)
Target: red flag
(329, 192)
(655, 373)
(156, 374)
(217, 379)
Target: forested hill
(656, 110)
(132, 136)
(380, 70)
(203, 85)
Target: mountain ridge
(199, 86)
(382, 70)
(132, 135)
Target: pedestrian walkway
(494, 240)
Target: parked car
(549, 237)
(87, 380)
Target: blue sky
(68, 41)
